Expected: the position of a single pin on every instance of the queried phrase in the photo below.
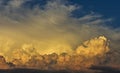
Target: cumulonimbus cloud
(51, 29)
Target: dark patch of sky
(32, 3)
(108, 8)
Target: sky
(108, 8)
(56, 25)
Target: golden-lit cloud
(92, 52)
(28, 32)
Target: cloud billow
(51, 29)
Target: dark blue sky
(108, 8)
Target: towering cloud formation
(26, 31)
(93, 47)
(92, 52)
